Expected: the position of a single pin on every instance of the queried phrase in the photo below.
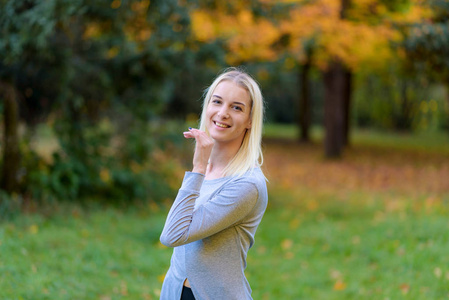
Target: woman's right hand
(203, 149)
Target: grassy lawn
(371, 226)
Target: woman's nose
(223, 113)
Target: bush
(108, 164)
(9, 205)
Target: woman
(220, 204)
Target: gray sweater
(212, 224)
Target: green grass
(428, 141)
(311, 244)
(350, 248)
(104, 254)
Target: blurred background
(95, 96)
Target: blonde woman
(220, 204)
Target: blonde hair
(249, 154)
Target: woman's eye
(238, 108)
(216, 101)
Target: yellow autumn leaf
(286, 244)
(112, 52)
(202, 26)
(92, 30)
(116, 4)
(339, 285)
(105, 176)
(33, 229)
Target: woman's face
(228, 113)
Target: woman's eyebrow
(235, 102)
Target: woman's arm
(184, 225)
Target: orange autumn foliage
(361, 40)
(248, 38)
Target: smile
(221, 125)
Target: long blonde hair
(249, 154)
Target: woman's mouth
(221, 125)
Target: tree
(11, 155)
(426, 43)
(348, 36)
(343, 37)
(304, 113)
(25, 28)
(101, 61)
(337, 101)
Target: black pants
(187, 294)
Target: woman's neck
(220, 157)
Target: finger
(188, 135)
(195, 133)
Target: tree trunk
(337, 92)
(11, 155)
(334, 116)
(347, 95)
(304, 102)
(403, 120)
(447, 98)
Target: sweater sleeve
(226, 208)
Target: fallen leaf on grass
(123, 288)
(335, 274)
(261, 249)
(405, 288)
(312, 205)
(33, 229)
(437, 272)
(294, 224)
(339, 285)
(286, 244)
(355, 240)
(157, 292)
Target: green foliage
(387, 101)
(60, 68)
(426, 44)
(10, 206)
(108, 166)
